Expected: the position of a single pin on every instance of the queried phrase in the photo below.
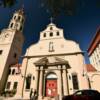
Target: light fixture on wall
(88, 79)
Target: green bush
(8, 93)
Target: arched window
(11, 25)
(28, 81)
(58, 33)
(8, 85)
(14, 17)
(19, 18)
(51, 34)
(51, 28)
(44, 35)
(13, 71)
(22, 20)
(1, 52)
(9, 71)
(21, 28)
(75, 81)
(15, 85)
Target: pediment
(51, 61)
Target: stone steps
(16, 98)
(11, 98)
(49, 98)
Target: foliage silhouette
(7, 3)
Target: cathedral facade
(53, 67)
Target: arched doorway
(51, 85)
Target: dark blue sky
(81, 27)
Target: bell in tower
(17, 21)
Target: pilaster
(41, 81)
(65, 81)
(59, 83)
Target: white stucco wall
(62, 48)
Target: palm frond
(7, 3)
(55, 7)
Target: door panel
(51, 88)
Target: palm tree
(55, 7)
(7, 3)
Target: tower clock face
(6, 35)
(3, 36)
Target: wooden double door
(51, 87)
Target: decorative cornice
(48, 55)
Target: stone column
(59, 83)
(44, 83)
(65, 81)
(41, 82)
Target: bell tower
(17, 21)
(11, 42)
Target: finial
(22, 7)
(21, 10)
(22, 4)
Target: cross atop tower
(51, 19)
(22, 7)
